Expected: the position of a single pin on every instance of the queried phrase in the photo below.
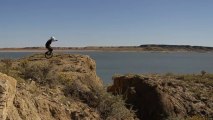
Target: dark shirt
(49, 42)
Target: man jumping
(47, 45)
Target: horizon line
(109, 46)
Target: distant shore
(141, 48)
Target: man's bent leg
(49, 52)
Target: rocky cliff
(64, 87)
(159, 97)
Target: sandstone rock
(7, 94)
(31, 101)
(71, 67)
(157, 98)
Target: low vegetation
(6, 66)
(108, 105)
(204, 78)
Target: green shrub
(108, 105)
(197, 118)
(113, 107)
(36, 71)
(6, 66)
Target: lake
(110, 63)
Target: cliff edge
(64, 87)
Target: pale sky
(27, 23)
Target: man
(47, 45)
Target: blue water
(110, 63)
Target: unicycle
(48, 54)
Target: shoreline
(103, 50)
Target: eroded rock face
(157, 98)
(7, 94)
(44, 106)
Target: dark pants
(50, 49)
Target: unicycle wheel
(48, 55)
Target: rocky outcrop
(69, 67)
(24, 105)
(159, 98)
(64, 87)
(33, 99)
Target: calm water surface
(110, 63)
